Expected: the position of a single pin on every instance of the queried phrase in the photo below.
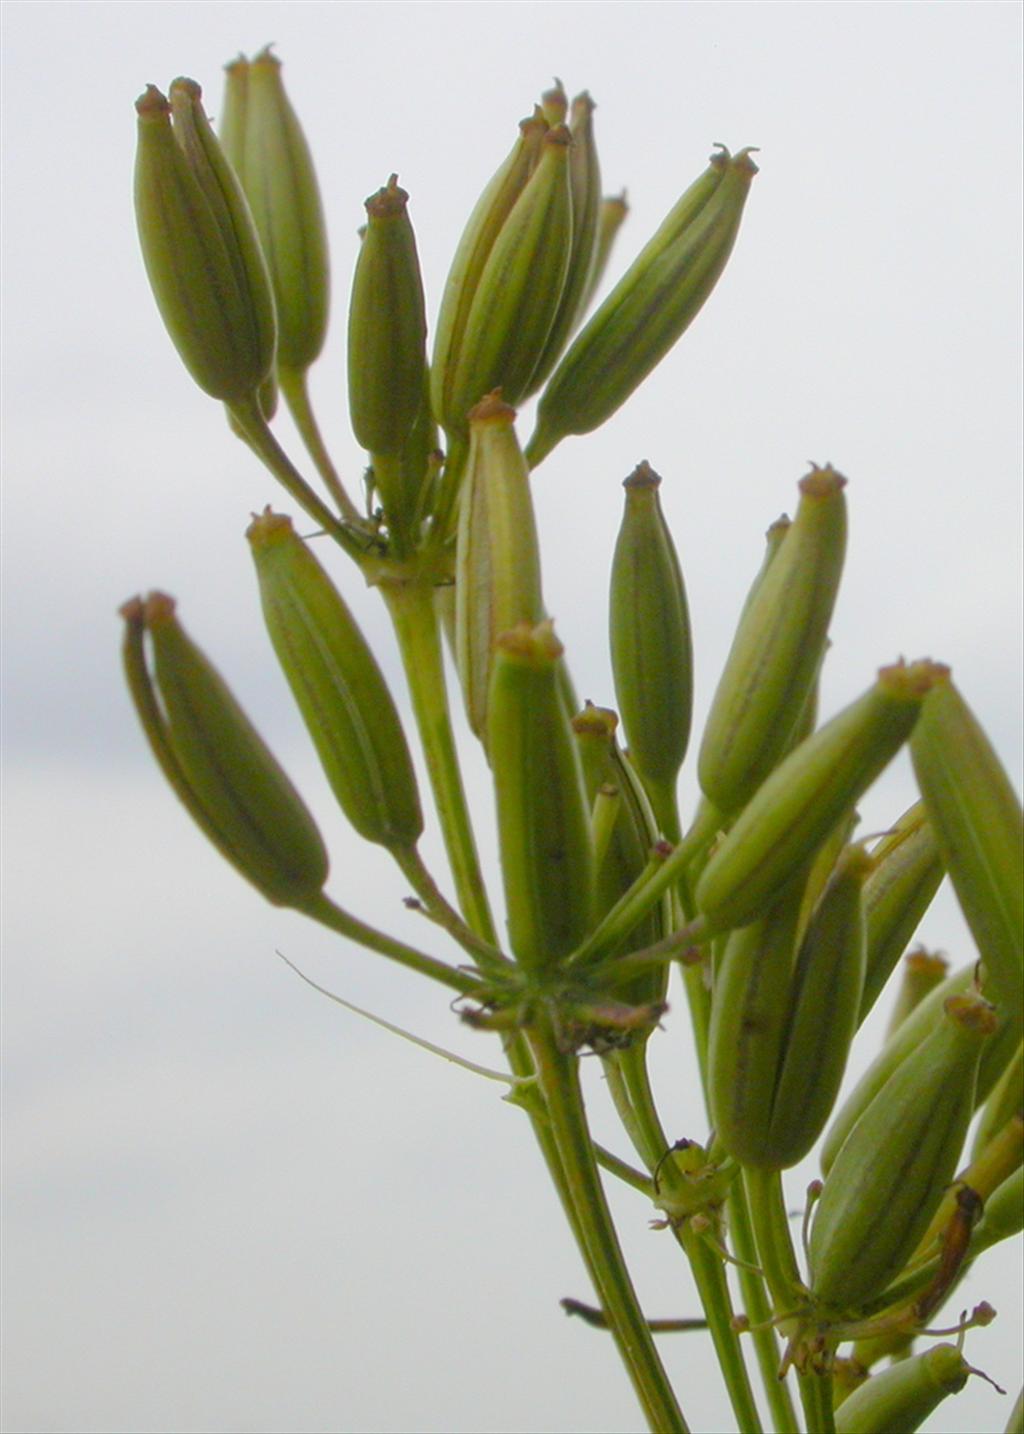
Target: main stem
(705, 1265)
(558, 1075)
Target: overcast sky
(230, 1204)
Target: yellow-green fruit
(339, 689)
(794, 809)
(892, 1170)
(202, 256)
(773, 664)
(543, 827)
(217, 762)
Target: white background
(230, 1205)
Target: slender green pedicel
(901, 1398)
(543, 827)
(338, 687)
(807, 794)
(906, 873)
(485, 223)
(217, 762)
(649, 308)
(979, 826)
(497, 564)
(200, 248)
(651, 645)
(890, 1174)
(775, 656)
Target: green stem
(644, 893)
(411, 605)
(778, 1260)
(759, 1312)
(558, 1075)
(707, 1267)
(295, 387)
(248, 413)
(439, 909)
(321, 908)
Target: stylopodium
(786, 924)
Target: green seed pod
(200, 248)
(794, 809)
(823, 866)
(923, 972)
(917, 1027)
(611, 216)
(750, 1008)
(633, 834)
(823, 1005)
(773, 664)
(339, 689)
(649, 308)
(485, 223)
(979, 826)
(907, 872)
(519, 290)
(901, 1398)
(651, 646)
(233, 110)
(891, 1173)
(217, 762)
(1005, 1100)
(585, 190)
(497, 562)
(387, 365)
(275, 167)
(543, 830)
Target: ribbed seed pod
(554, 104)
(749, 1012)
(917, 1027)
(901, 1398)
(339, 689)
(891, 1172)
(485, 223)
(387, 364)
(216, 761)
(824, 1001)
(611, 216)
(276, 169)
(648, 310)
(906, 873)
(519, 289)
(634, 833)
(543, 827)
(585, 191)
(773, 663)
(200, 248)
(651, 644)
(979, 826)
(497, 562)
(807, 794)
